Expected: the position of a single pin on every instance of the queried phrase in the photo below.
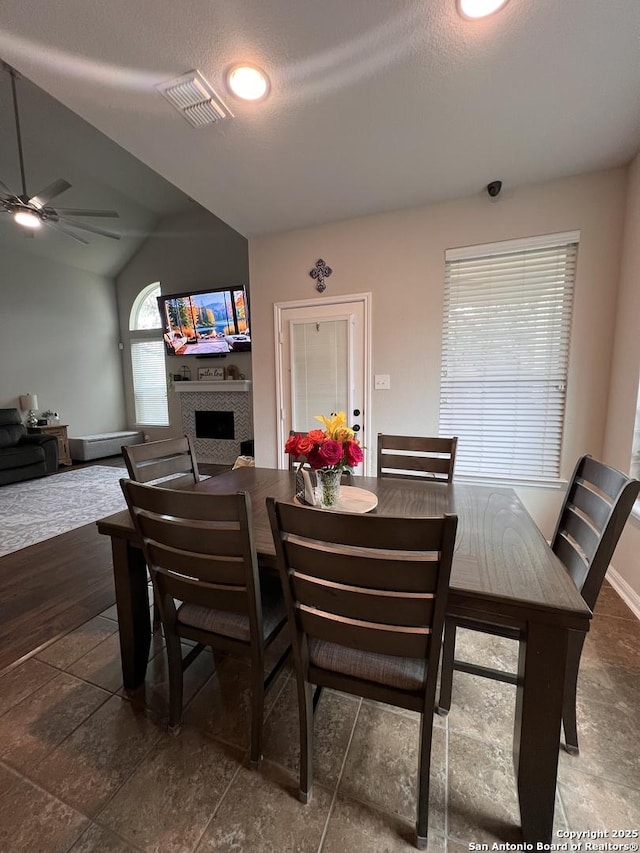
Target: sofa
(24, 456)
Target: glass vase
(328, 486)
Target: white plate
(352, 499)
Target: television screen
(207, 322)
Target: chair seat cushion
(404, 673)
(236, 625)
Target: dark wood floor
(54, 586)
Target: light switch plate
(382, 382)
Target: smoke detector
(195, 99)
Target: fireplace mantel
(229, 386)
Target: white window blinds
(505, 352)
(149, 382)
(319, 371)
(147, 359)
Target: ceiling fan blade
(44, 196)
(63, 230)
(72, 211)
(92, 228)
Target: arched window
(147, 359)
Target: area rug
(39, 509)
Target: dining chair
(172, 460)
(365, 598)
(410, 456)
(200, 551)
(595, 509)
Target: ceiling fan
(34, 211)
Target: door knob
(356, 412)
(356, 427)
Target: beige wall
(399, 257)
(625, 370)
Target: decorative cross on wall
(320, 272)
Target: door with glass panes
(323, 366)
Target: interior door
(323, 366)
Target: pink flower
(330, 452)
(353, 453)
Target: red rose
(330, 452)
(316, 436)
(314, 459)
(305, 444)
(291, 445)
(353, 453)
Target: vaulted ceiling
(59, 144)
(374, 106)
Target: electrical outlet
(382, 382)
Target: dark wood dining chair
(595, 509)
(200, 550)
(411, 456)
(365, 598)
(172, 460)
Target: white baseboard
(626, 592)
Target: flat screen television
(205, 322)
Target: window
(505, 352)
(147, 359)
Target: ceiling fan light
(475, 9)
(27, 219)
(248, 82)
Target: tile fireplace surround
(222, 396)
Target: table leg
(541, 670)
(130, 575)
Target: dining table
(503, 573)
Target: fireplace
(227, 398)
(218, 425)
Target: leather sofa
(24, 456)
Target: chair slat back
(199, 547)
(595, 509)
(373, 583)
(407, 456)
(156, 460)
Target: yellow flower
(333, 425)
(344, 434)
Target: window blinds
(149, 383)
(505, 352)
(319, 371)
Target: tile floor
(84, 767)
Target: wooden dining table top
(502, 564)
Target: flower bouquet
(328, 452)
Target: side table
(60, 432)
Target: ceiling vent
(195, 99)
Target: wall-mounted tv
(206, 322)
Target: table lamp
(28, 403)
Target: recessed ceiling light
(474, 9)
(248, 82)
(27, 218)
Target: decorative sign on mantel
(205, 373)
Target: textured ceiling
(374, 106)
